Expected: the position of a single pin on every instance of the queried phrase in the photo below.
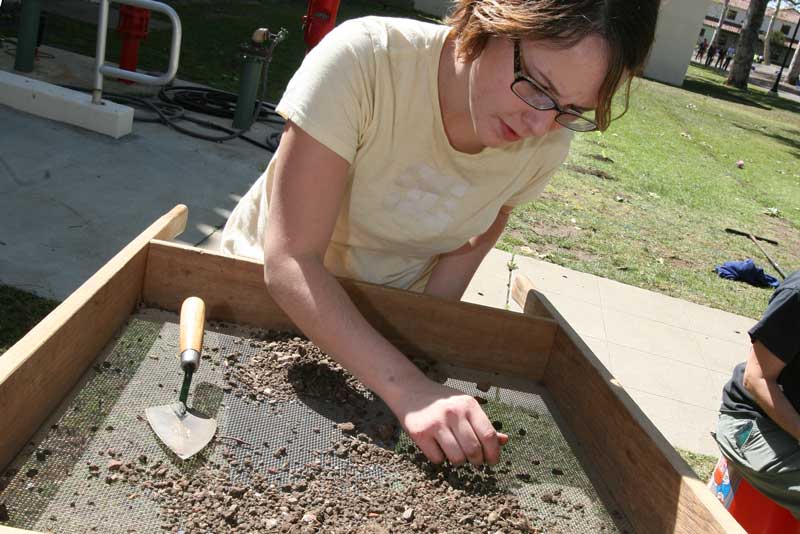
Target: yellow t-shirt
(369, 92)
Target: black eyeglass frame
(572, 116)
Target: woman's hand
(447, 424)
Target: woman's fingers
(430, 448)
(449, 444)
(470, 444)
(489, 437)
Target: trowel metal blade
(182, 429)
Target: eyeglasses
(536, 97)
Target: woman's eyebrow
(551, 88)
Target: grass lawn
(668, 186)
(701, 464)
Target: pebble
(346, 427)
(114, 465)
(408, 514)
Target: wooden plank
(654, 487)
(529, 298)
(41, 368)
(463, 334)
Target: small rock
(114, 465)
(30, 473)
(346, 427)
(269, 524)
(522, 432)
(493, 517)
(557, 471)
(309, 518)
(237, 491)
(41, 456)
(143, 458)
(408, 514)
(483, 386)
(280, 452)
(549, 498)
(229, 514)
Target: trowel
(183, 429)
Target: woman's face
(571, 76)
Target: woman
(406, 147)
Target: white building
(678, 24)
(735, 19)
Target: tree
(718, 29)
(743, 59)
(794, 68)
(770, 35)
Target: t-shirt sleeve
(330, 96)
(779, 327)
(554, 152)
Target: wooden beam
(654, 487)
(529, 298)
(459, 333)
(42, 367)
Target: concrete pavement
(671, 356)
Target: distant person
(701, 50)
(728, 57)
(710, 55)
(720, 57)
(759, 422)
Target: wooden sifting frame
(649, 481)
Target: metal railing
(102, 69)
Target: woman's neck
(453, 82)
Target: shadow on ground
(706, 87)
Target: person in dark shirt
(759, 423)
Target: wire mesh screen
(308, 438)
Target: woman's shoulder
(394, 33)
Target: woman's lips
(508, 133)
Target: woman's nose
(540, 122)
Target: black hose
(176, 100)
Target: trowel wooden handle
(193, 318)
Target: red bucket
(753, 510)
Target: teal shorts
(765, 455)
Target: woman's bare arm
(454, 270)
(308, 189)
(761, 381)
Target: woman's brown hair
(627, 26)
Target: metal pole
(28, 35)
(248, 92)
(785, 57)
(100, 53)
